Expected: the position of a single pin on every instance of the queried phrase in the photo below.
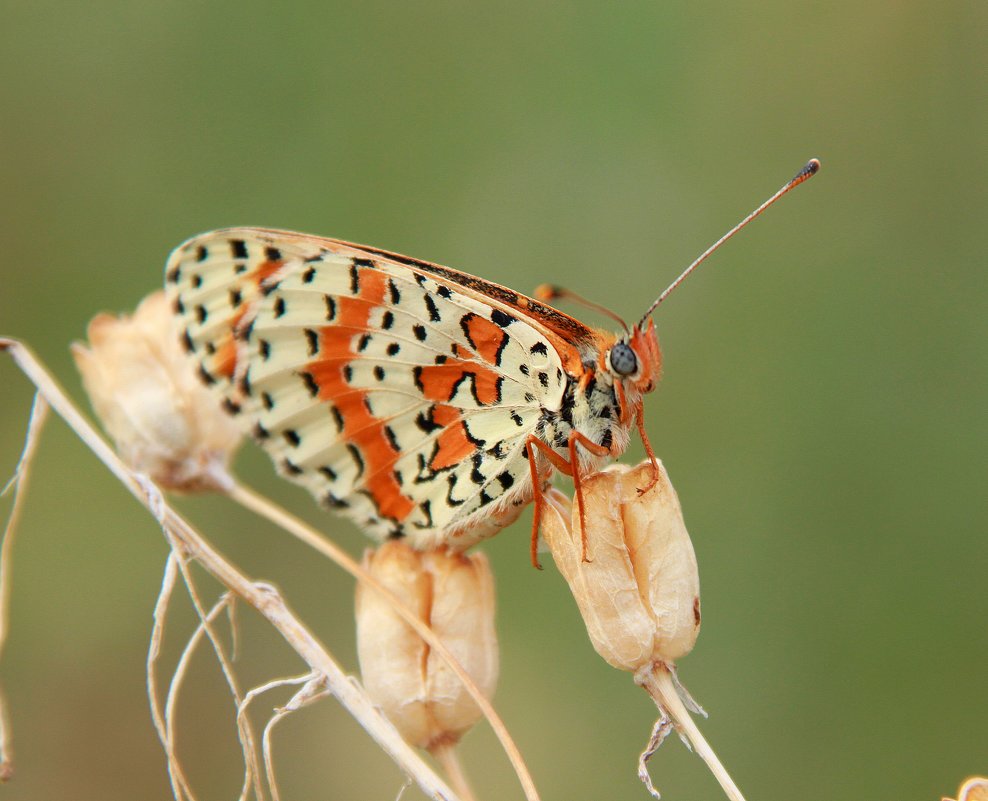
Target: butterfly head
(635, 358)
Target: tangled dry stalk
(325, 675)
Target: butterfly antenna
(804, 174)
(551, 292)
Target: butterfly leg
(559, 463)
(640, 424)
(571, 468)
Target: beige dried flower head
(974, 789)
(639, 591)
(454, 594)
(164, 421)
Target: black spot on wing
(328, 472)
(393, 440)
(433, 310)
(291, 468)
(310, 383)
(426, 507)
(357, 457)
(451, 480)
(425, 421)
(501, 318)
(334, 501)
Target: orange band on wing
(225, 360)
(487, 338)
(226, 352)
(453, 444)
(265, 269)
(440, 382)
(360, 427)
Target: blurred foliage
(823, 411)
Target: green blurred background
(822, 412)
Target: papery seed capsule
(639, 590)
(163, 421)
(454, 594)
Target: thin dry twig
(252, 772)
(18, 482)
(180, 785)
(660, 731)
(657, 680)
(288, 522)
(260, 596)
(447, 756)
(314, 689)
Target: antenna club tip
(812, 166)
(547, 292)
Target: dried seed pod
(974, 789)
(639, 591)
(454, 594)
(164, 421)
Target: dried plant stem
(314, 688)
(284, 520)
(447, 756)
(252, 773)
(262, 597)
(657, 680)
(180, 785)
(19, 482)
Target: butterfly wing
(393, 393)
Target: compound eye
(623, 359)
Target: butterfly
(420, 401)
